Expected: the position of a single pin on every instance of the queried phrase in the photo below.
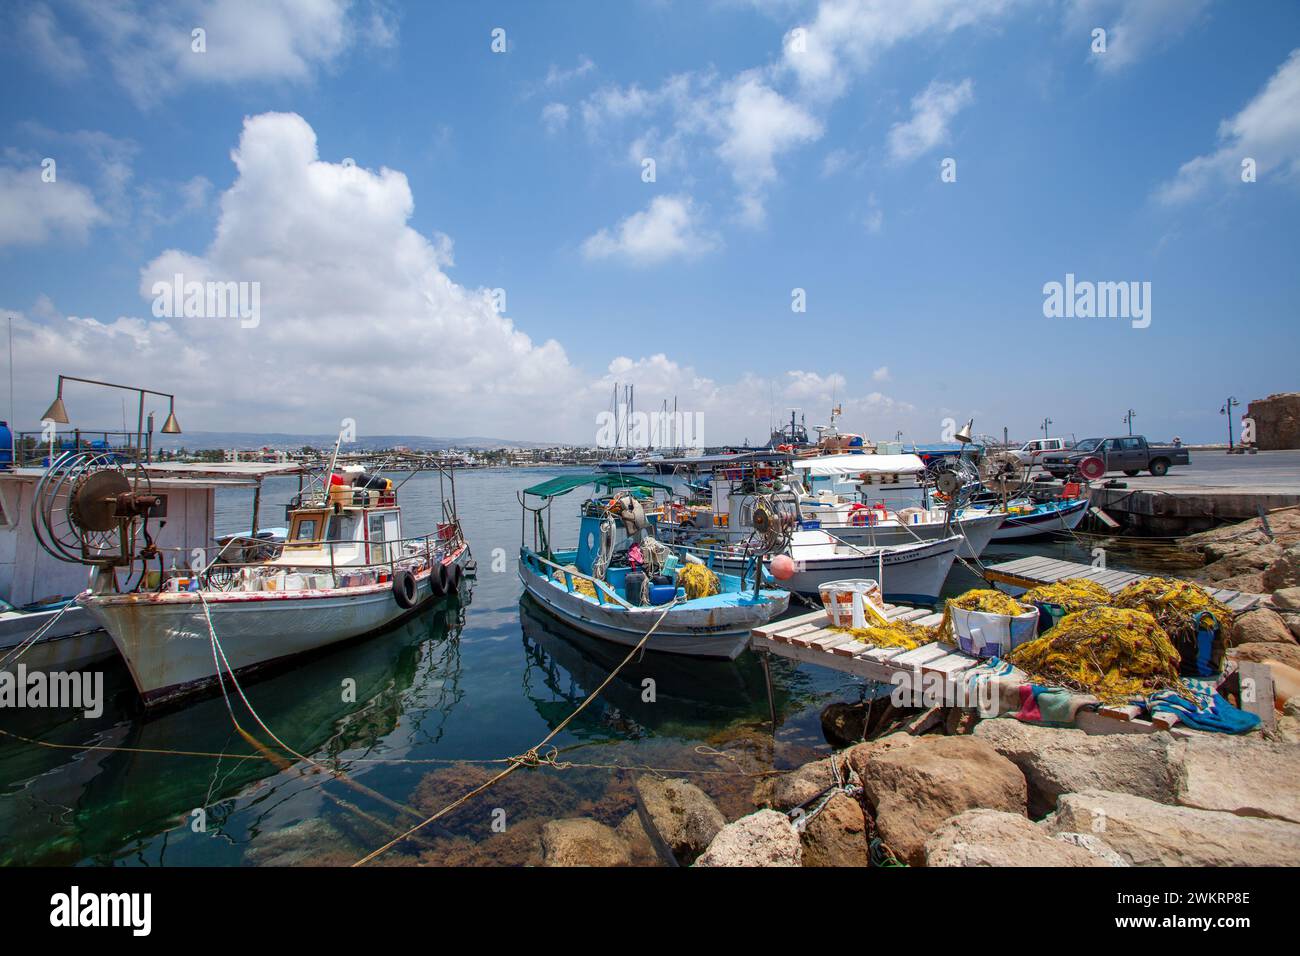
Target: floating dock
(1035, 570)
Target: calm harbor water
(440, 701)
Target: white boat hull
(74, 642)
(717, 632)
(165, 640)
(976, 533)
(909, 573)
(1064, 519)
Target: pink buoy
(783, 567)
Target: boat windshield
(342, 528)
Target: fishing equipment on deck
(1199, 626)
(1063, 597)
(698, 581)
(988, 623)
(1116, 654)
(891, 634)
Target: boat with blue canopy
(620, 582)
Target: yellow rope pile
(1114, 653)
(1072, 594)
(1172, 603)
(893, 634)
(984, 600)
(698, 581)
(580, 584)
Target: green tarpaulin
(566, 483)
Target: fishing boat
(619, 583)
(1027, 518)
(344, 570)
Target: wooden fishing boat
(345, 570)
(588, 587)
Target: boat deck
(1035, 570)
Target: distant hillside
(255, 440)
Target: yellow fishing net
(1172, 603)
(1072, 594)
(1114, 653)
(894, 634)
(698, 581)
(978, 599)
(580, 584)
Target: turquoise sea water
(440, 701)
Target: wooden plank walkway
(809, 639)
(1035, 570)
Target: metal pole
(771, 698)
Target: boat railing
(604, 592)
(222, 574)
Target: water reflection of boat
(563, 666)
(95, 805)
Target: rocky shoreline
(940, 787)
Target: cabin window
(342, 528)
(305, 529)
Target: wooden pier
(810, 639)
(1035, 570)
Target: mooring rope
(21, 648)
(531, 757)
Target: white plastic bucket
(844, 601)
(992, 635)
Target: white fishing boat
(605, 588)
(345, 570)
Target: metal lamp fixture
(58, 412)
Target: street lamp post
(1226, 411)
(58, 413)
(1129, 419)
(1046, 422)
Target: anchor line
(22, 648)
(531, 757)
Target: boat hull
(74, 642)
(976, 533)
(1066, 518)
(715, 632)
(913, 573)
(165, 640)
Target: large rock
(911, 790)
(787, 791)
(1249, 583)
(1287, 599)
(1288, 654)
(1248, 777)
(1277, 420)
(1261, 626)
(582, 842)
(1230, 560)
(1063, 760)
(765, 838)
(837, 835)
(632, 832)
(678, 816)
(859, 755)
(1146, 833)
(1285, 571)
(995, 838)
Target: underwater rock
(632, 832)
(837, 836)
(579, 842)
(765, 838)
(914, 789)
(995, 838)
(1057, 760)
(1146, 833)
(679, 818)
(311, 842)
(843, 724)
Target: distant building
(1277, 421)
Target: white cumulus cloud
(932, 110)
(667, 228)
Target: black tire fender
(438, 579)
(404, 589)
(454, 574)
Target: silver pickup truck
(1128, 453)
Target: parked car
(1127, 453)
(1032, 452)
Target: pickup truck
(1129, 454)
(1032, 452)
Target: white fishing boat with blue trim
(619, 583)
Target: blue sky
(779, 165)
